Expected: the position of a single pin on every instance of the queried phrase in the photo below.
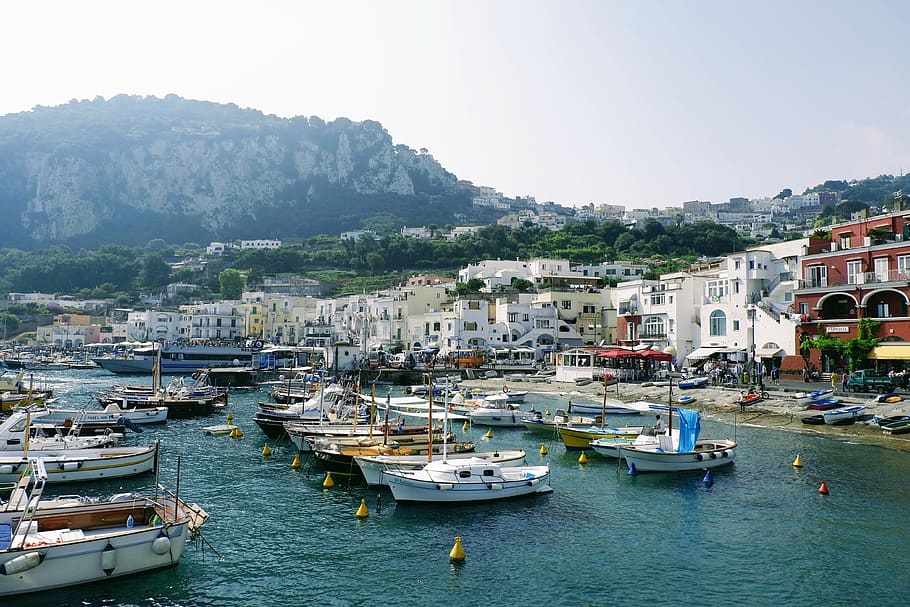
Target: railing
(717, 299)
(863, 278)
(779, 279)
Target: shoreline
(780, 411)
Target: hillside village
(753, 305)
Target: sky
(640, 103)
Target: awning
(704, 352)
(768, 352)
(890, 352)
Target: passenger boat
(55, 545)
(463, 481)
(186, 358)
(805, 398)
(373, 467)
(680, 451)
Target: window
(470, 326)
(717, 324)
(436, 326)
(653, 326)
(903, 265)
(473, 305)
(881, 269)
(816, 276)
(589, 309)
(567, 304)
(717, 290)
(845, 241)
(881, 310)
(542, 323)
(736, 286)
(658, 299)
(855, 272)
(736, 325)
(804, 307)
(524, 317)
(513, 316)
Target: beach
(719, 403)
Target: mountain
(132, 168)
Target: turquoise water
(761, 535)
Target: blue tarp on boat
(689, 427)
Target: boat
(339, 459)
(883, 421)
(750, 398)
(694, 382)
(887, 398)
(843, 415)
(359, 435)
(18, 400)
(806, 398)
(576, 438)
(496, 410)
(897, 427)
(183, 358)
(610, 447)
(18, 435)
(680, 451)
(686, 399)
(609, 406)
(539, 423)
(72, 465)
(200, 398)
(813, 420)
(111, 413)
(373, 467)
(821, 405)
(466, 480)
(57, 545)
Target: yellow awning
(891, 352)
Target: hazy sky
(638, 103)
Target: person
(660, 427)
(844, 379)
(835, 380)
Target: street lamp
(752, 313)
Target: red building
(862, 271)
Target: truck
(866, 380)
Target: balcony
(854, 280)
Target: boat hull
(374, 468)
(578, 439)
(418, 486)
(708, 453)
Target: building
(260, 244)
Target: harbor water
(761, 534)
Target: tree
(10, 323)
(230, 282)
(155, 273)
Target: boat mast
(430, 420)
(603, 407)
(670, 409)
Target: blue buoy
(633, 469)
(708, 480)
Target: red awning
(656, 355)
(619, 353)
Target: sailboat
(680, 451)
(465, 480)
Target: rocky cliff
(131, 168)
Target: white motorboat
(374, 467)
(807, 398)
(609, 406)
(61, 544)
(71, 465)
(496, 410)
(16, 435)
(681, 450)
(470, 480)
(843, 415)
(610, 447)
(110, 414)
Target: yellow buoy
(236, 432)
(362, 512)
(457, 553)
(798, 463)
(547, 412)
(230, 417)
(266, 451)
(543, 449)
(296, 463)
(464, 428)
(489, 433)
(582, 459)
(328, 482)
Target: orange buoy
(823, 489)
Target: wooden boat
(463, 481)
(19, 400)
(883, 421)
(695, 382)
(822, 405)
(680, 451)
(373, 467)
(843, 415)
(339, 459)
(577, 438)
(898, 427)
(610, 447)
(45, 546)
(805, 398)
(362, 434)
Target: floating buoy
(328, 482)
(230, 417)
(708, 479)
(464, 428)
(296, 463)
(823, 489)
(582, 459)
(543, 449)
(266, 451)
(489, 433)
(632, 469)
(798, 462)
(457, 553)
(362, 512)
(547, 412)
(236, 432)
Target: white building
(260, 244)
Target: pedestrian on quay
(844, 379)
(835, 380)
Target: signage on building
(837, 329)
